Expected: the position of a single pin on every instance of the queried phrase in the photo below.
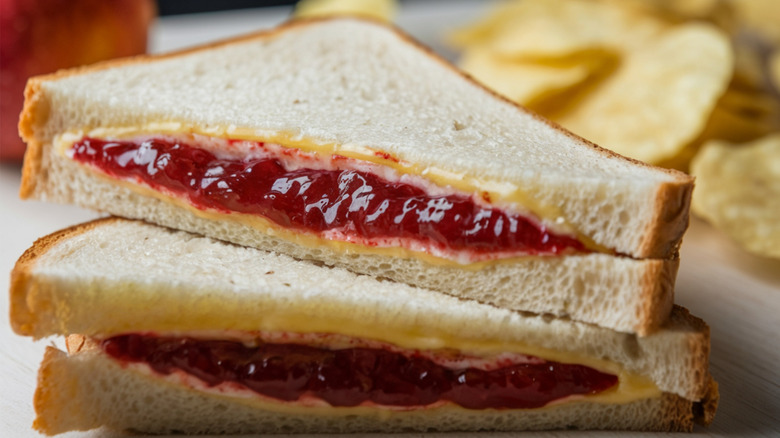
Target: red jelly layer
(353, 376)
(359, 204)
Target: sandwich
(173, 332)
(343, 142)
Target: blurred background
(175, 7)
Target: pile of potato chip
(382, 10)
(689, 84)
(662, 81)
(738, 190)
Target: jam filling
(360, 205)
(355, 376)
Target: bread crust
(657, 296)
(22, 290)
(74, 390)
(672, 208)
(670, 218)
(699, 344)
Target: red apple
(42, 36)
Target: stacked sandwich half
(341, 232)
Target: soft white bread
(361, 86)
(80, 392)
(115, 276)
(353, 83)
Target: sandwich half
(344, 142)
(172, 332)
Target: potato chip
(690, 8)
(738, 191)
(554, 102)
(525, 81)
(562, 28)
(753, 104)
(741, 116)
(548, 29)
(383, 10)
(517, 80)
(660, 98)
(735, 126)
(737, 118)
(748, 67)
(714, 11)
(760, 18)
(774, 70)
(485, 29)
(650, 92)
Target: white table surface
(736, 293)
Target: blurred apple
(42, 36)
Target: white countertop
(736, 293)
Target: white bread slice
(115, 276)
(356, 84)
(80, 392)
(359, 86)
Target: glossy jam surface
(355, 376)
(358, 204)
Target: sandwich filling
(350, 374)
(332, 198)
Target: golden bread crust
(704, 410)
(24, 308)
(657, 295)
(699, 344)
(672, 208)
(56, 397)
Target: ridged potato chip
(738, 191)
(688, 84)
(646, 86)
(660, 98)
(545, 29)
(713, 11)
(525, 81)
(482, 31)
(748, 66)
(740, 116)
(383, 10)
(755, 105)
(774, 69)
(688, 8)
(759, 17)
